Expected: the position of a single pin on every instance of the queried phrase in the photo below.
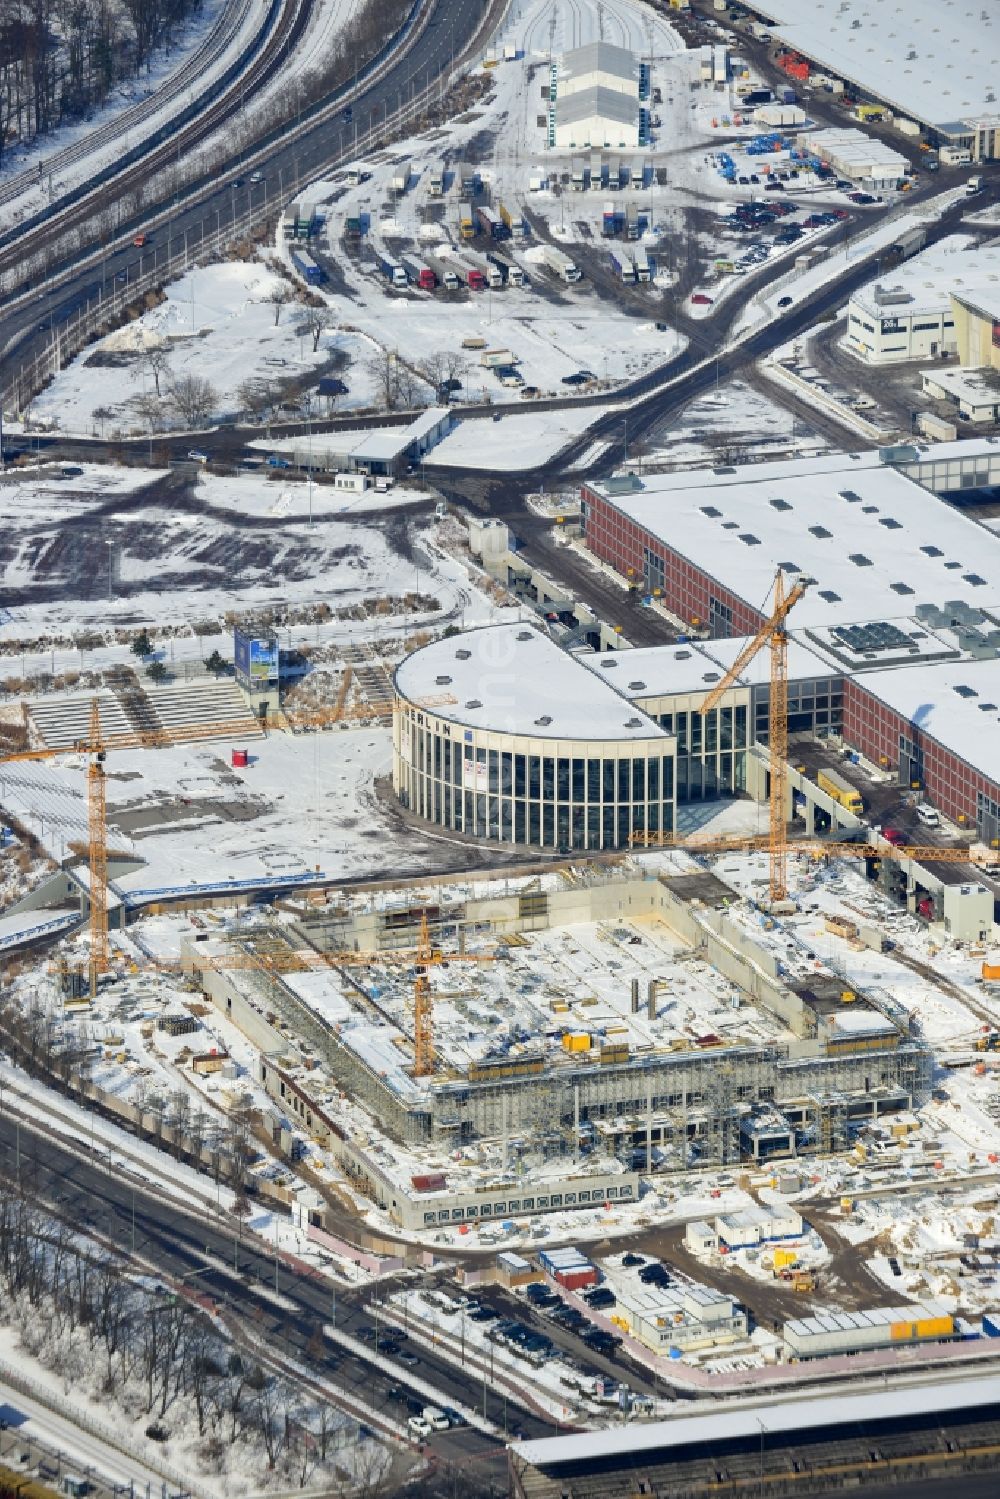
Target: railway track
(291, 21)
(193, 70)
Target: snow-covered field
(216, 323)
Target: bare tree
(193, 398)
(279, 297)
(157, 362)
(316, 321)
(257, 397)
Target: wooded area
(61, 59)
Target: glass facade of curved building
(582, 795)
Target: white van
(928, 816)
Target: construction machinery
(282, 960)
(773, 634)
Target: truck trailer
(391, 269)
(840, 789)
(419, 273)
(401, 177)
(560, 263)
(307, 267)
(491, 223)
(643, 270)
(622, 265)
(466, 223)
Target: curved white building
(501, 734)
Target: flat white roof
(957, 703)
(937, 60)
(876, 543)
(385, 443)
(602, 103)
(658, 670)
(924, 283)
(978, 387)
(937, 1397)
(515, 679)
(854, 148)
(599, 57)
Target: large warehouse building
(904, 594)
(895, 54)
(597, 98)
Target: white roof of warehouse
(796, 515)
(656, 670)
(928, 279)
(599, 57)
(383, 444)
(597, 103)
(514, 679)
(854, 148)
(937, 1398)
(937, 60)
(967, 723)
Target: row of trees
(59, 59)
(78, 1312)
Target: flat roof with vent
(515, 679)
(657, 671)
(877, 543)
(955, 702)
(937, 61)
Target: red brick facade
(875, 729)
(687, 591)
(869, 725)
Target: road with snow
(178, 1243)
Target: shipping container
(401, 177)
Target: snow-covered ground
(175, 563)
(217, 324)
(522, 440)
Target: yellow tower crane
(773, 634)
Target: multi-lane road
(440, 32)
(183, 1245)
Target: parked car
(893, 836)
(784, 301)
(700, 300)
(418, 1427)
(197, 456)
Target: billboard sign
(256, 657)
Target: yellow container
(847, 1205)
(576, 1041)
(935, 1327)
(784, 1257)
(991, 970)
(899, 1331)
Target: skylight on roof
(932, 551)
(820, 532)
(891, 523)
(860, 560)
(749, 540)
(964, 691)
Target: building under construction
(712, 1052)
